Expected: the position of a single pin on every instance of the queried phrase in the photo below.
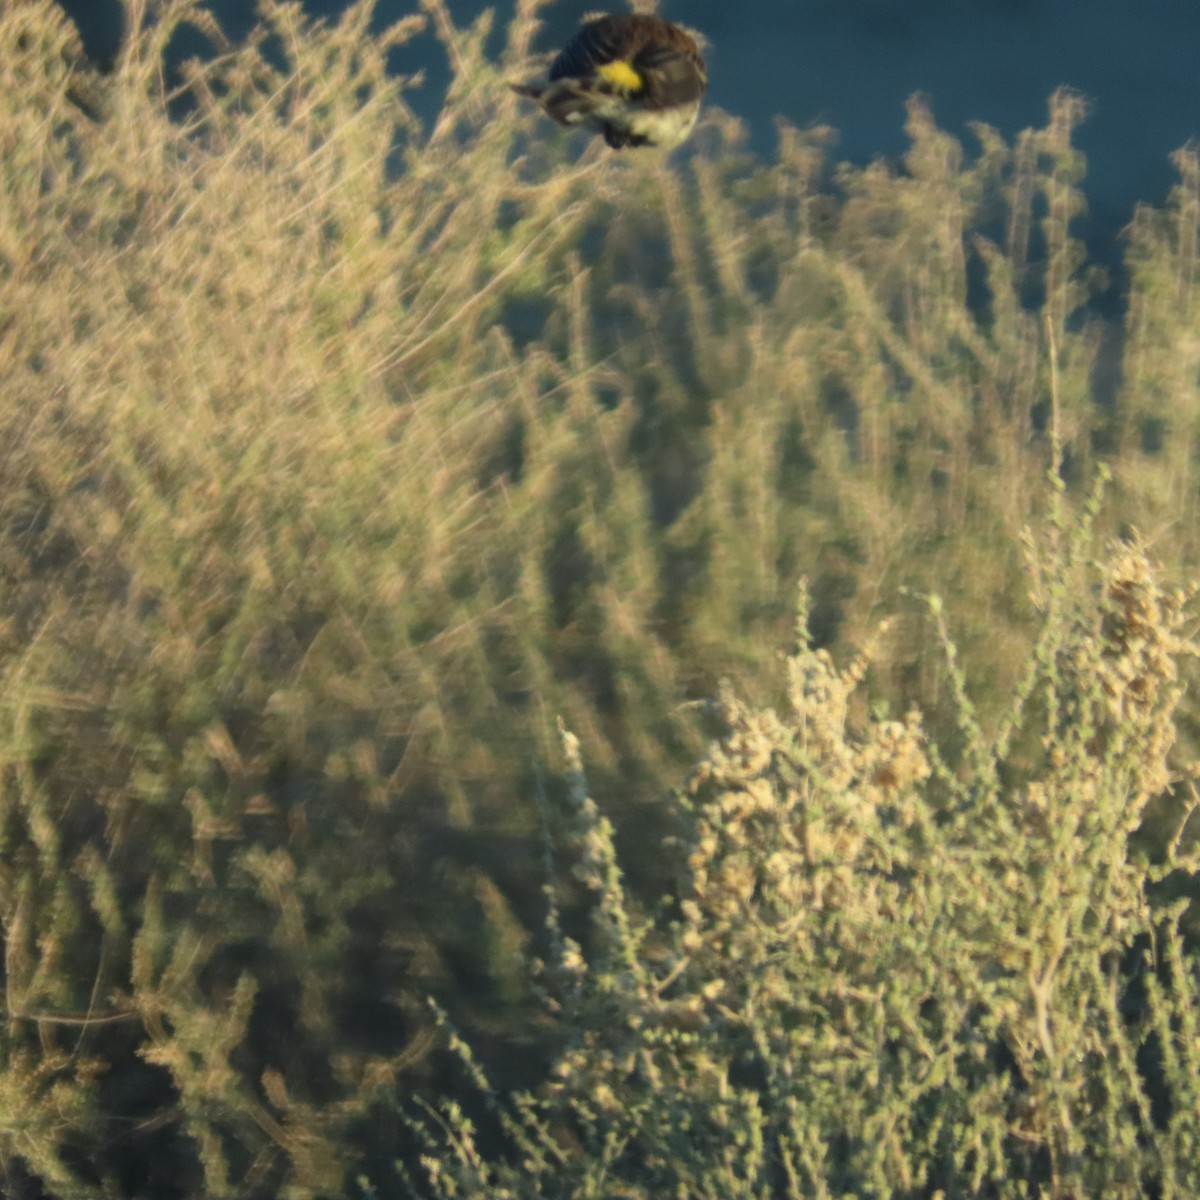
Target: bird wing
(672, 74)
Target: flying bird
(634, 78)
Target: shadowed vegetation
(342, 456)
(882, 972)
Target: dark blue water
(852, 63)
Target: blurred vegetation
(882, 972)
(341, 457)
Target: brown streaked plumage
(634, 78)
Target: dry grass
(341, 456)
(882, 972)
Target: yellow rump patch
(620, 74)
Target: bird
(634, 78)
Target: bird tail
(567, 101)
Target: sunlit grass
(343, 456)
(881, 970)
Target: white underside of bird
(665, 128)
